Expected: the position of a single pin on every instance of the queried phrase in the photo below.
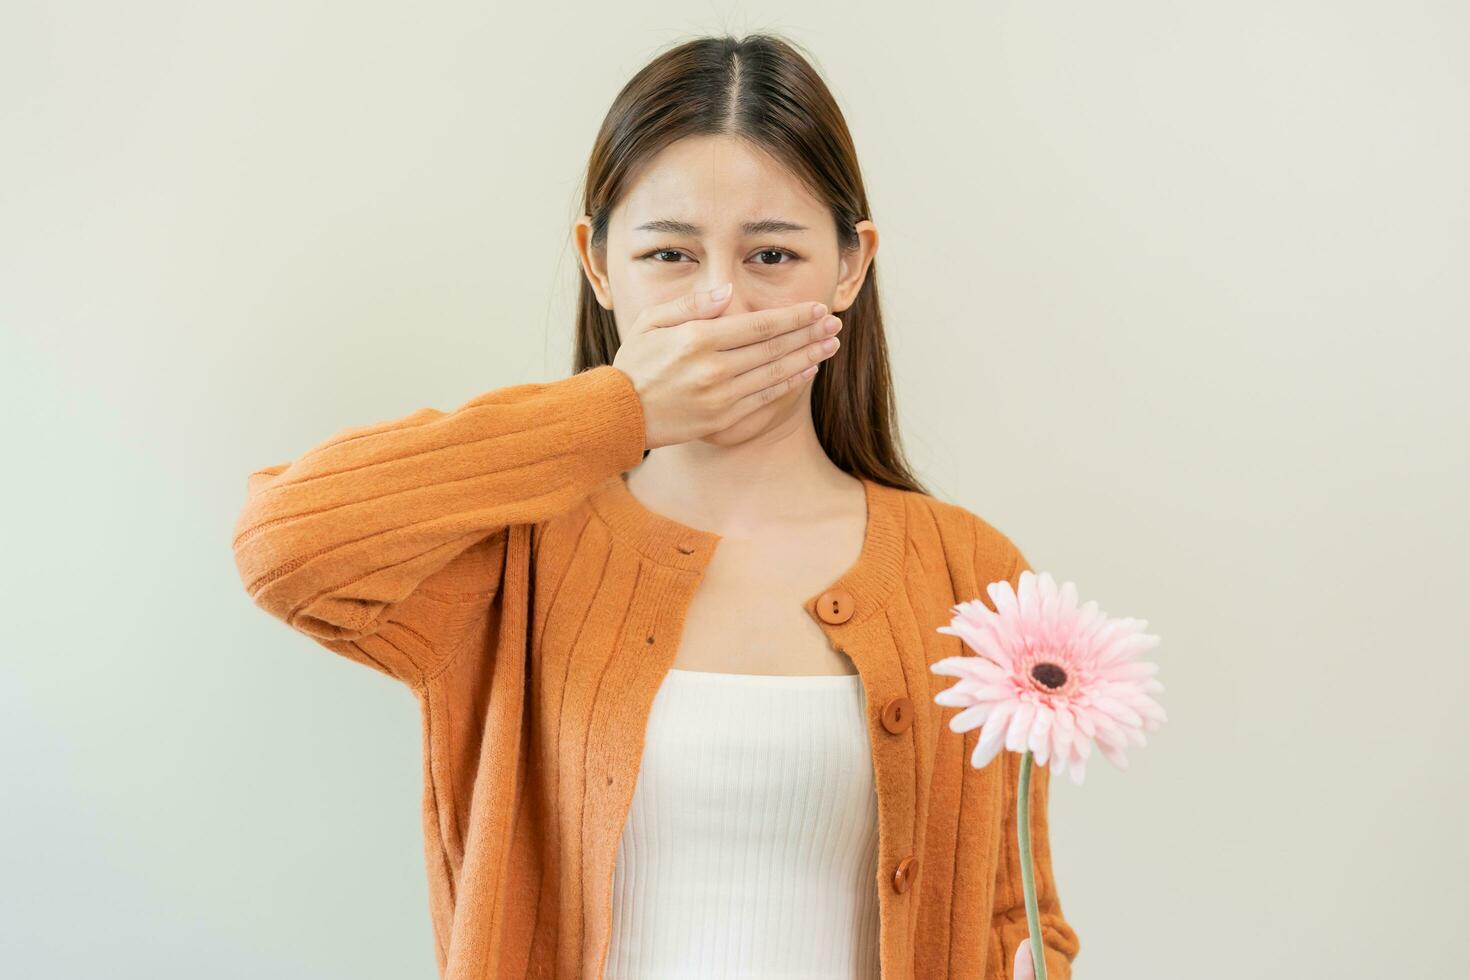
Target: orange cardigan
(493, 560)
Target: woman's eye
(676, 256)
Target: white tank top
(751, 844)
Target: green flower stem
(1028, 881)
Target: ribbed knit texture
(751, 845)
(493, 560)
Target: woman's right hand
(698, 372)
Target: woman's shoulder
(964, 532)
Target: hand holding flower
(1048, 679)
(1021, 968)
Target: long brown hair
(759, 89)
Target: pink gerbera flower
(1050, 677)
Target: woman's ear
(594, 261)
(853, 267)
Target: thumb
(1021, 967)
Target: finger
(757, 326)
(1022, 968)
(808, 336)
(694, 305)
(770, 381)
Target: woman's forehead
(715, 185)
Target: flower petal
(989, 742)
(972, 717)
(1113, 754)
(1028, 597)
(1063, 730)
(1039, 738)
(1020, 726)
(1117, 709)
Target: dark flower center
(1049, 675)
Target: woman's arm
(392, 523)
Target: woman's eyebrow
(765, 226)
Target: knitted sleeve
(1008, 925)
(370, 541)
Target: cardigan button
(685, 548)
(903, 876)
(836, 606)
(898, 715)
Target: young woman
(669, 619)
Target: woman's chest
(746, 615)
(748, 619)
(608, 621)
(614, 608)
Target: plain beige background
(1176, 296)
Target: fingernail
(720, 292)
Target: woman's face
(713, 209)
